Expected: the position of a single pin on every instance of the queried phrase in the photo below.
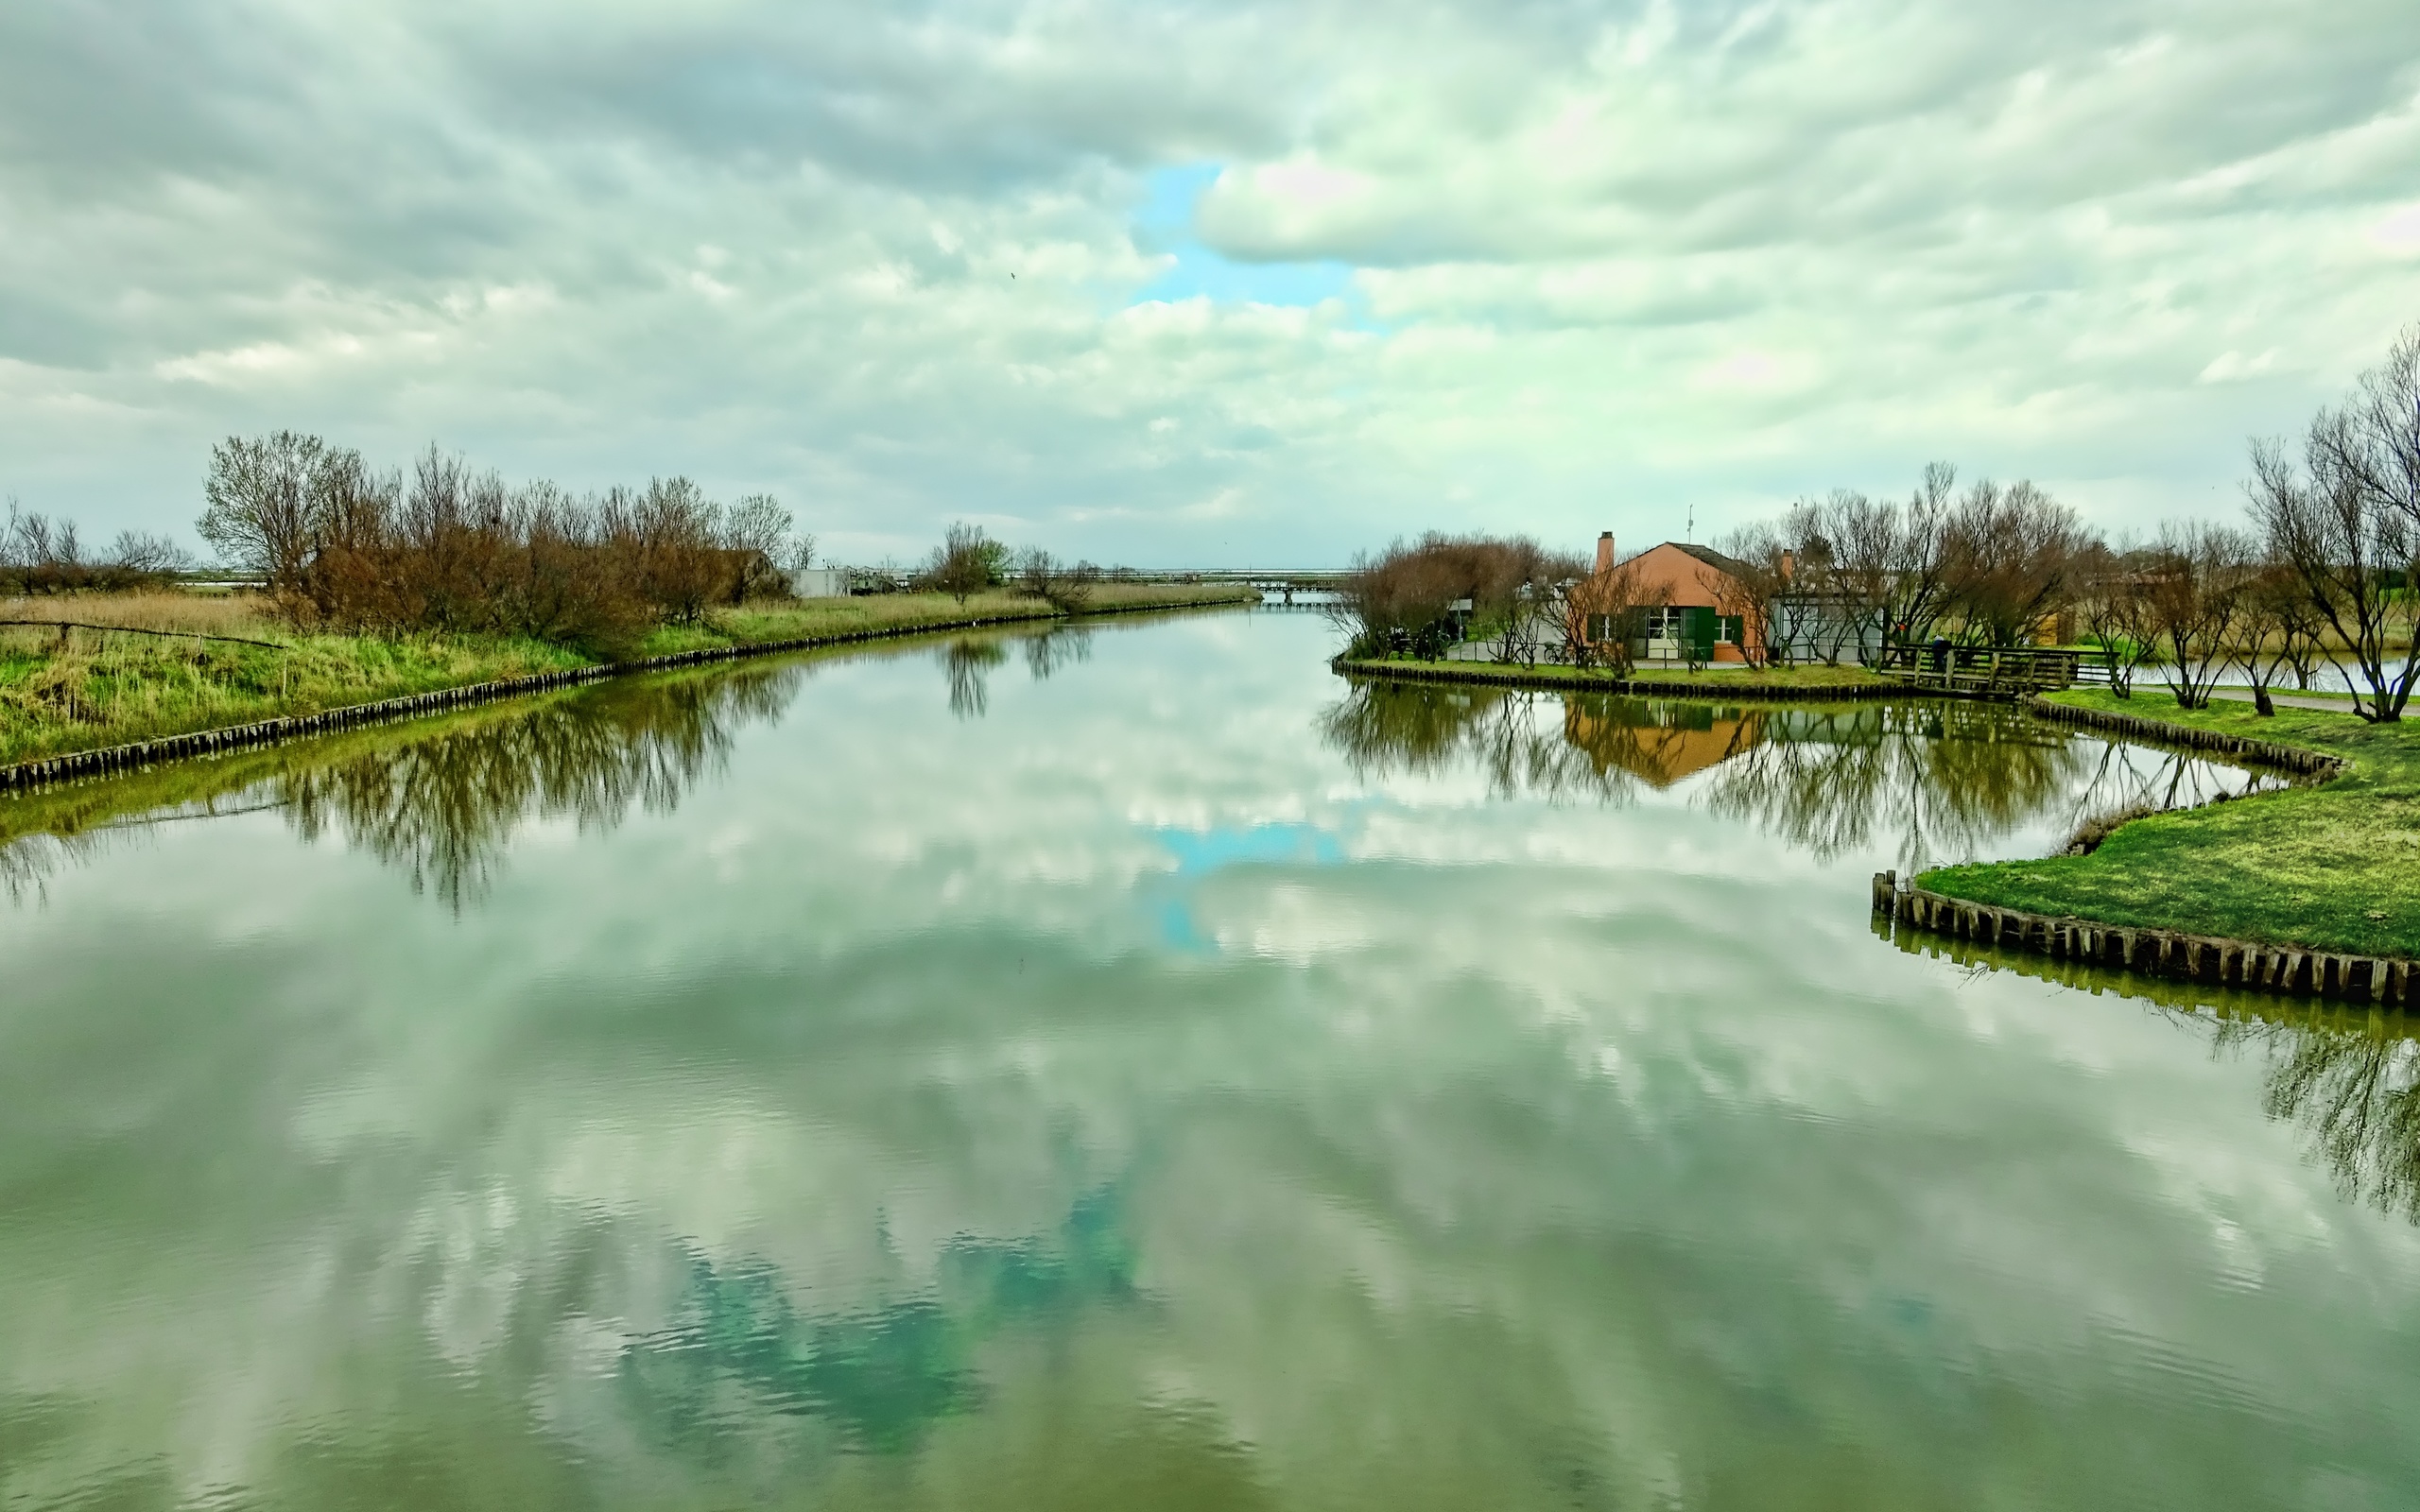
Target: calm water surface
(1138, 1069)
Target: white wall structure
(820, 582)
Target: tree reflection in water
(2347, 1075)
(446, 808)
(2352, 1082)
(968, 663)
(1056, 649)
(444, 801)
(1948, 778)
(26, 864)
(1382, 728)
(1934, 778)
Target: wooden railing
(1983, 670)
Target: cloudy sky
(1201, 283)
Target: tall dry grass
(72, 688)
(248, 616)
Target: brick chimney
(1605, 551)
(1789, 565)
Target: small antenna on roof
(1690, 531)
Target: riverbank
(177, 671)
(2333, 867)
(1827, 684)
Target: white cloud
(887, 264)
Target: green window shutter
(1696, 627)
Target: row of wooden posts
(2254, 967)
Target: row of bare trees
(2324, 569)
(447, 547)
(2324, 572)
(39, 555)
(1420, 597)
(1839, 579)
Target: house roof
(1711, 557)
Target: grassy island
(170, 662)
(2333, 867)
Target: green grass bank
(1791, 681)
(2334, 866)
(217, 663)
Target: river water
(1136, 1068)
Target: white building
(820, 582)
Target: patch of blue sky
(1165, 224)
(1199, 851)
(1171, 900)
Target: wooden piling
(2248, 965)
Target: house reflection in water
(1922, 781)
(1674, 741)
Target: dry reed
(244, 615)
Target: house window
(1727, 628)
(1601, 626)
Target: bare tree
(144, 555)
(1405, 597)
(1917, 588)
(1825, 607)
(2276, 631)
(2011, 553)
(1042, 576)
(2373, 442)
(1869, 561)
(2117, 614)
(264, 497)
(2353, 551)
(1768, 567)
(961, 566)
(756, 534)
(1535, 624)
(2193, 587)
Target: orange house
(1684, 598)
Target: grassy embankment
(73, 690)
(2335, 867)
(1740, 680)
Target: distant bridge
(1272, 580)
(1286, 581)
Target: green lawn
(2335, 867)
(1742, 681)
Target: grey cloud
(2007, 109)
(772, 245)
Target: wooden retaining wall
(2265, 752)
(2284, 970)
(1635, 687)
(78, 766)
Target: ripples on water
(1136, 1067)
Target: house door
(1684, 634)
(1665, 628)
